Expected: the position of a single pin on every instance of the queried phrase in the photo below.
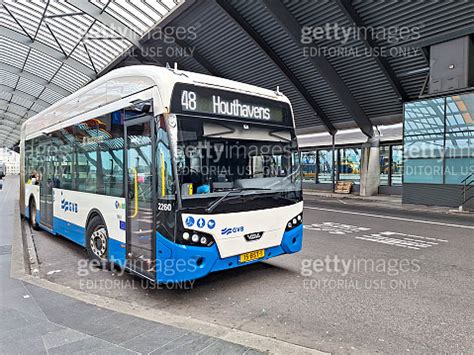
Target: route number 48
(188, 100)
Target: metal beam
(24, 95)
(177, 11)
(383, 64)
(271, 54)
(6, 113)
(109, 21)
(27, 75)
(199, 58)
(443, 37)
(47, 50)
(8, 123)
(9, 103)
(329, 74)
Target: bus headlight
(294, 222)
(195, 238)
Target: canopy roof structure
(51, 48)
(353, 79)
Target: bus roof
(127, 81)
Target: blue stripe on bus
(70, 230)
(182, 265)
(117, 252)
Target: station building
(382, 92)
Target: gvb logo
(227, 231)
(68, 206)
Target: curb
(20, 268)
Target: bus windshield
(218, 157)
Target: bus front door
(46, 192)
(140, 194)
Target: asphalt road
(368, 279)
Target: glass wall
(384, 165)
(396, 165)
(439, 140)
(349, 164)
(459, 138)
(318, 165)
(308, 164)
(325, 162)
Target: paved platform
(386, 201)
(35, 320)
(428, 307)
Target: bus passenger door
(140, 194)
(46, 192)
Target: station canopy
(50, 49)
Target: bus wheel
(32, 220)
(97, 239)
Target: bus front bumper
(178, 263)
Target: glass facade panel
(458, 169)
(460, 113)
(397, 165)
(425, 146)
(424, 117)
(349, 164)
(446, 157)
(308, 164)
(426, 171)
(325, 162)
(384, 165)
(460, 144)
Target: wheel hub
(98, 242)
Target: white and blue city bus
(169, 174)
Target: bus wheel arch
(32, 207)
(97, 237)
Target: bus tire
(97, 240)
(32, 219)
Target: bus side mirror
(146, 108)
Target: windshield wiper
(216, 203)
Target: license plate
(253, 255)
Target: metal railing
(467, 184)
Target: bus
(169, 174)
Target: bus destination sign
(191, 98)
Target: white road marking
(392, 217)
(335, 228)
(410, 241)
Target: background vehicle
(170, 174)
(3, 170)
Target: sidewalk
(385, 201)
(35, 320)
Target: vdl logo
(69, 206)
(227, 231)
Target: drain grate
(5, 249)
